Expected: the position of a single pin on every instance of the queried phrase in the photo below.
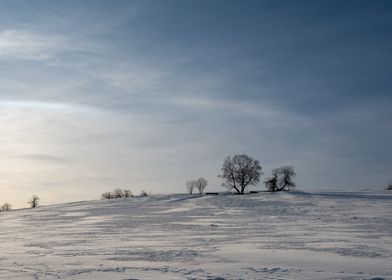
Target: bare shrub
(143, 193)
(6, 207)
(34, 201)
(106, 195)
(117, 193)
(127, 193)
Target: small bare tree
(281, 179)
(127, 193)
(201, 184)
(117, 193)
(239, 172)
(190, 186)
(6, 207)
(34, 201)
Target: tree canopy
(239, 172)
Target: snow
(257, 236)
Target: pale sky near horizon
(96, 95)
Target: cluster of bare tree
(199, 184)
(117, 193)
(33, 202)
(241, 171)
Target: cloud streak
(19, 45)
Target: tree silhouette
(190, 186)
(117, 193)
(281, 179)
(34, 200)
(239, 172)
(201, 184)
(106, 195)
(271, 183)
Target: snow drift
(259, 236)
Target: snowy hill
(258, 236)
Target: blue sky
(96, 95)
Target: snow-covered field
(258, 236)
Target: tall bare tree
(240, 172)
(190, 186)
(34, 201)
(201, 184)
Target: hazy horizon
(145, 95)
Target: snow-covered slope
(258, 236)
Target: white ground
(260, 236)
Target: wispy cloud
(264, 112)
(45, 158)
(24, 44)
(16, 44)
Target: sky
(145, 95)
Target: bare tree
(127, 193)
(117, 193)
(107, 195)
(34, 200)
(190, 186)
(201, 184)
(239, 172)
(281, 179)
(271, 183)
(6, 207)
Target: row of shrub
(119, 193)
